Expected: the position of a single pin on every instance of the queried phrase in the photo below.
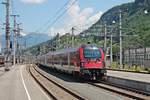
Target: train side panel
(74, 62)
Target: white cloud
(53, 31)
(23, 33)
(93, 19)
(33, 1)
(76, 17)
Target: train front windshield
(92, 53)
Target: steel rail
(42, 86)
(131, 93)
(79, 97)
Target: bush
(138, 69)
(147, 69)
(114, 65)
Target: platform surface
(130, 75)
(17, 84)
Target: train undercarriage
(93, 74)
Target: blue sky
(35, 13)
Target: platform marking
(29, 98)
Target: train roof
(63, 51)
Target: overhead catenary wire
(59, 16)
(57, 12)
(55, 15)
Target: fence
(139, 57)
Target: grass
(134, 68)
(148, 69)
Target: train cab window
(92, 53)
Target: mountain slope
(30, 39)
(135, 20)
(135, 28)
(34, 39)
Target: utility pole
(111, 53)
(105, 43)
(68, 54)
(18, 29)
(120, 35)
(0, 42)
(18, 45)
(58, 41)
(7, 4)
(72, 30)
(14, 35)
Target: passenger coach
(87, 61)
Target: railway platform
(137, 81)
(130, 76)
(17, 84)
(2, 70)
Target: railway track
(131, 93)
(127, 92)
(55, 90)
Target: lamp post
(111, 47)
(120, 34)
(145, 12)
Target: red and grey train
(87, 61)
